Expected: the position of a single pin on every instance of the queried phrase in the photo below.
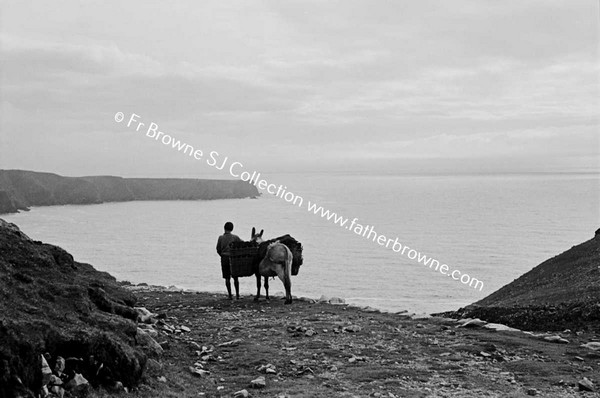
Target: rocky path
(212, 347)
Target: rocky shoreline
(219, 348)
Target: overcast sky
(300, 85)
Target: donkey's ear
(253, 231)
(261, 232)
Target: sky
(372, 85)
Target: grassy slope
(570, 277)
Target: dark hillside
(50, 303)
(562, 292)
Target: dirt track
(324, 350)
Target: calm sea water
(492, 227)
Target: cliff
(20, 189)
(53, 305)
(562, 292)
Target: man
(224, 251)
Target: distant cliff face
(562, 292)
(20, 189)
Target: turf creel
(242, 258)
(245, 256)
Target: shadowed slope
(50, 303)
(562, 292)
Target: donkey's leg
(287, 283)
(257, 287)
(287, 277)
(281, 273)
(267, 287)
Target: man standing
(224, 251)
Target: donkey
(276, 262)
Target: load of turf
(246, 256)
(560, 293)
(54, 306)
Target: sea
(491, 227)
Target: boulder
(78, 385)
(46, 371)
(592, 345)
(231, 343)
(59, 366)
(585, 385)
(372, 309)
(556, 339)
(148, 344)
(352, 329)
(498, 327)
(143, 315)
(268, 368)
(471, 323)
(323, 299)
(198, 372)
(259, 382)
(149, 329)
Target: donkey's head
(256, 237)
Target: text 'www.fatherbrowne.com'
(237, 170)
(368, 232)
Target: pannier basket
(242, 258)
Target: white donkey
(276, 262)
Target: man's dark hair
(228, 226)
